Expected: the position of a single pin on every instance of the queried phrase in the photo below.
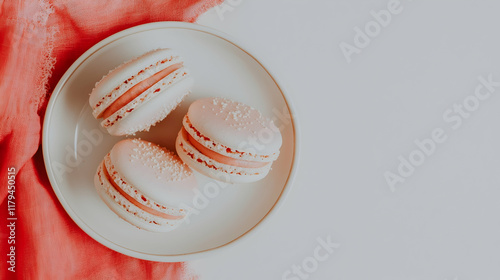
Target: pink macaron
(145, 184)
(140, 92)
(228, 140)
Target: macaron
(146, 185)
(140, 92)
(228, 140)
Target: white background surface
(356, 118)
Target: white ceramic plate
(74, 144)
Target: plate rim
(167, 257)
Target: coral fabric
(38, 42)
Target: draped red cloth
(39, 40)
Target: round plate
(74, 144)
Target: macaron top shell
(156, 172)
(231, 128)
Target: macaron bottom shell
(151, 111)
(213, 169)
(126, 210)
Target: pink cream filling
(135, 202)
(221, 158)
(136, 90)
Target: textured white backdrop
(357, 119)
